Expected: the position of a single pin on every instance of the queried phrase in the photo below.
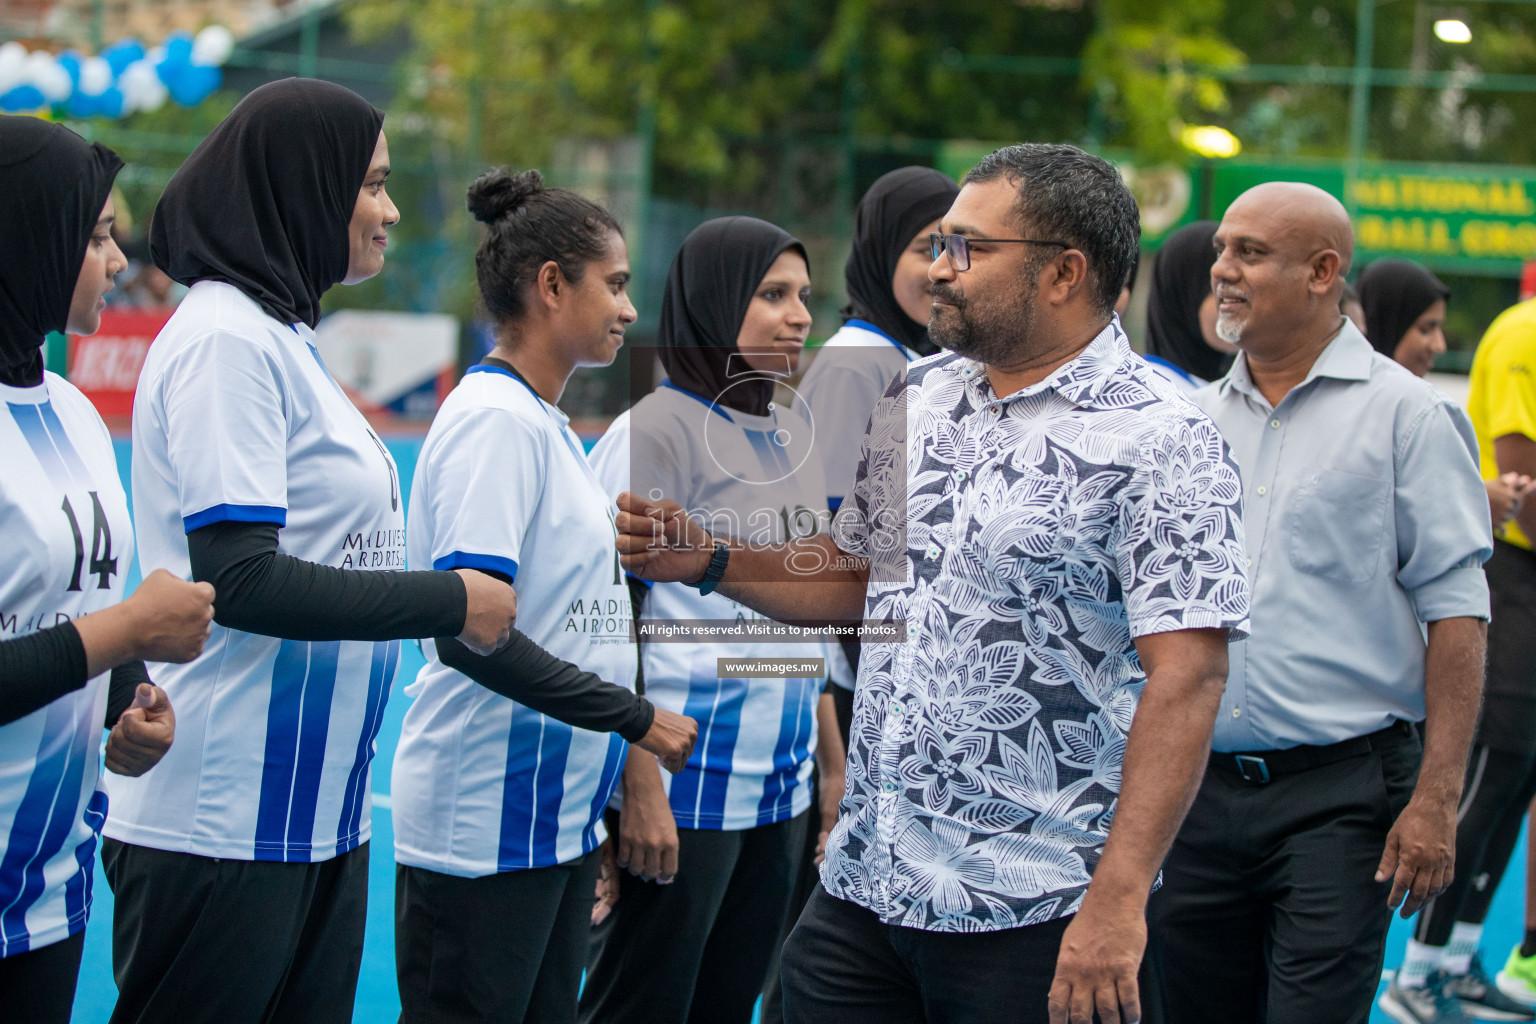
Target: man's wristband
(716, 570)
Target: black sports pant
(1499, 788)
(38, 986)
(235, 941)
(1501, 773)
(500, 949)
(697, 950)
(1269, 909)
(841, 964)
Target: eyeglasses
(959, 247)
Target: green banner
(1463, 218)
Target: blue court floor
(377, 1001)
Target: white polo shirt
(757, 478)
(68, 547)
(236, 419)
(481, 783)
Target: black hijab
(896, 207)
(264, 203)
(1181, 279)
(709, 288)
(1394, 294)
(53, 185)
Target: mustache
(942, 293)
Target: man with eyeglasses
(1367, 527)
(1054, 537)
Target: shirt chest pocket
(1336, 523)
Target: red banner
(106, 365)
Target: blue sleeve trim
(647, 584)
(235, 514)
(834, 503)
(467, 560)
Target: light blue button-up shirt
(1366, 518)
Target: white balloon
(51, 80)
(212, 46)
(141, 87)
(95, 76)
(13, 65)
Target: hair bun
(495, 194)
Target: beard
(1230, 329)
(996, 334)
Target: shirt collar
(1080, 380)
(1347, 357)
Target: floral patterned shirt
(1023, 542)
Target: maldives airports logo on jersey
(602, 620)
(376, 549)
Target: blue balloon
(178, 48)
(123, 53)
(69, 60)
(23, 97)
(195, 84)
(110, 103)
(80, 105)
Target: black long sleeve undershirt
(38, 669)
(120, 689)
(262, 591)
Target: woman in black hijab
(1404, 308)
(241, 873)
(1181, 312)
(732, 826)
(57, 466)
(710, 288)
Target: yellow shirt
(1503, 395)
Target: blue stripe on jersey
(234, 514)
(49, 444)
(298, 721)
(770, 455)
(43, 820)
(533, 787)
(698, 791)
(790, 751)
(61, 441)
(467, 560)
(613, 763)
(77, 891)
(834, 502)
(381, 674)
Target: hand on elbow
(671, 738)
(143, 733)
(490, 612)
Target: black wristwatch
(716, 569)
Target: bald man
(1367, 526)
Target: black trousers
(807, 881)
(1270, 911)
(842, 964)
(235, 941)
(38, 986)
(1499, 788)
(500, 949)
(697, 950)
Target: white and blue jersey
(68, 547)
(756, 478)
(482, 784)
(236, 419)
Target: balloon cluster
(122, 79)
